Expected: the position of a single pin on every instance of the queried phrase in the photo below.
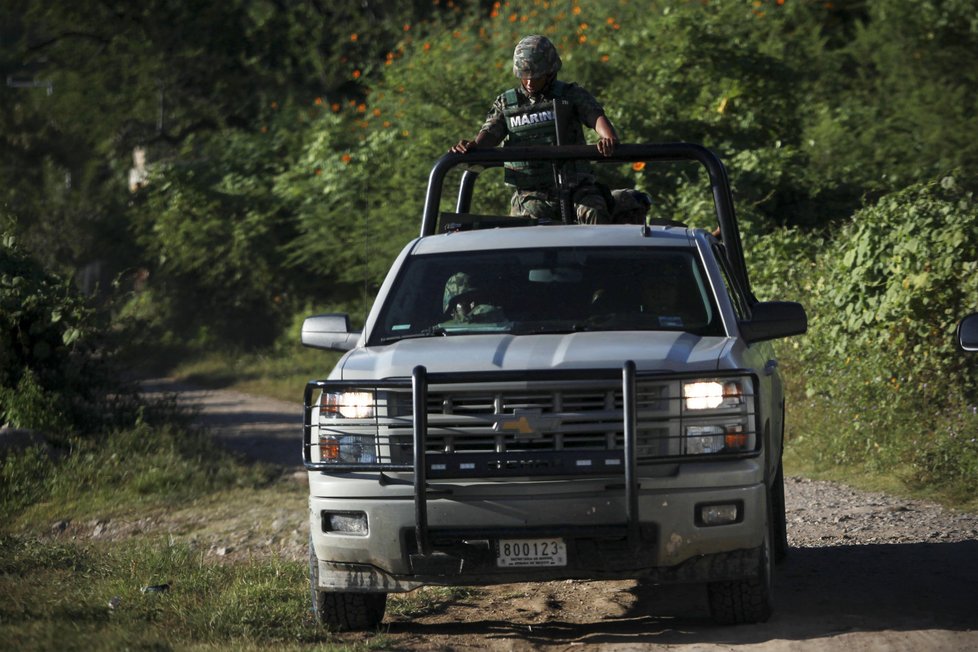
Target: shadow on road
(819, 592)
(259, 428)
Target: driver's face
(464, 308)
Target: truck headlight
(727, 438)
(712, 394)
(347, 449)
(349, 405)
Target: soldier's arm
(484, 139)
(592, 115)
(607, 136)
(492, 133)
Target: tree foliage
(52, 376)
(289, 146)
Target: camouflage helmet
(535, 56)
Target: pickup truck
(535, 402)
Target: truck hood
(662, 351)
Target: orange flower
(318, 101)
(361, 108)
(426, 47)
(582, 26)
(512, 18)
(604, 58)
(376, 112)
(274, 105)
(354, 37)
(356, 74)
(407, 27)
(494, 14)
(264, 130)
(610, 20)
(638, 166)
(576, 11)
(335, 106)
(346, 158)
(387, 123)
(582, 38)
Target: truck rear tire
(340, 610)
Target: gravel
(821, 513)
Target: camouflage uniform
(464, 302)
(535, 194)
(630, 206)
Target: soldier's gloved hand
(463, 146)
(606, 146)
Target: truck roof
(538, 237)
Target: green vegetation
(286, 162)
(287, 147)
(78, 596)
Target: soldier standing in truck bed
(525, 116)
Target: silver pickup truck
(538, 402)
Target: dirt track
(865, 572)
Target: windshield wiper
(431, 331)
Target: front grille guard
(427, 464)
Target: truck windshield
(559, 290)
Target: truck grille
(512, 427)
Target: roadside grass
(65, 589)
(145, 466)
(153, 595)
(921, 452)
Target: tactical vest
(534, 124)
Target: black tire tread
(350, 611)
(739, 602)
(341, 611)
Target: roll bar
(648, 153)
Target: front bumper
(669, 544)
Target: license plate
(515, 553)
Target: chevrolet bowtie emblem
(525, 425)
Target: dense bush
(885, 383)
(53, 374)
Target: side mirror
(773, 319)
(330, 331)
(967, 335)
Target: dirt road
(866, 572)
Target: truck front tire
(343, 611)
(749, 600)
